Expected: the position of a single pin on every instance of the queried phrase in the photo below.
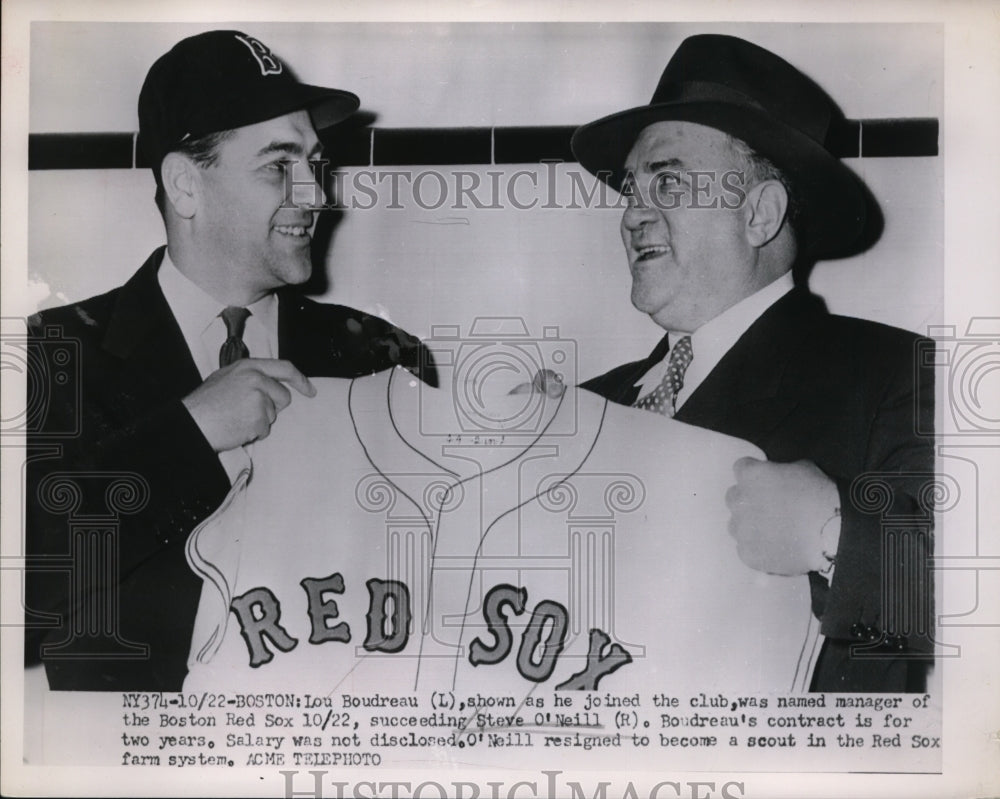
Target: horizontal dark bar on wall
(899, 137)
(80, 150)
(852, 138)
(426, 146)
(528, 145)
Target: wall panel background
(424, 267)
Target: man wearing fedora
(185, 365)
(729, 185)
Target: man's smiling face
(247, 222)
(684, 228)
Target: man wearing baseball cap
(729, 185)
(195, 357)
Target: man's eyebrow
(668, 163)
(656, 166)
(290, 148)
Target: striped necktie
(663, 398)
(234, 348)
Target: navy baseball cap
(222, 80)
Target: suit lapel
(143, 333)
(290, 344)
(618, 385)
(300, 340)
(751, 391)
(631, 393)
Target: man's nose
(321, 195)
(304, 187)
(320, 177)
(638, 213)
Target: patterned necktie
(233, 349)
(663, 398)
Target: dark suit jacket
(845, 394)
(124, 621)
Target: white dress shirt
(199, 317)
(716, 337)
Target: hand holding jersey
(238, 403)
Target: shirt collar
(191, 306)
(265, 311)
(194, 309)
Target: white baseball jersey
(585, 549)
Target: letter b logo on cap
(269, 65)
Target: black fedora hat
(750, 93)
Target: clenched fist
(238, 403)
(778, 511)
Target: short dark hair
(204, 151)
(756, 168)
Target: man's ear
(181, 183)
(766, 206)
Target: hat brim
(326, 107)
(832, 199)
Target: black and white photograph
(500, 402)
